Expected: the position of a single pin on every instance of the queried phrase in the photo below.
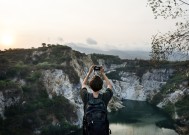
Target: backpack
(95, 120)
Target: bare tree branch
(184, 2)
(164, 45)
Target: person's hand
(91, 69)
(102, 70)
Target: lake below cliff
(139, 118)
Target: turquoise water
(138, 118)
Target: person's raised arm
(109, 85)
(84, 83)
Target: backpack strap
(90, 96)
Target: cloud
(60, 39)
(91, 41)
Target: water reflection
(134, 129)
(138, 118)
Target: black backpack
(95, 120)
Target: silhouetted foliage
(164, 45)
(44, 44)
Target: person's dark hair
(96, 83)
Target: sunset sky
(99, 24)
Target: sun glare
(6, 40)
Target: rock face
(173, 97)
(134, 88)
(130, 86)
(57, 82)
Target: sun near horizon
(7, 40)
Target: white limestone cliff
(57, 82)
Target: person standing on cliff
(95, 121)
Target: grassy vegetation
(34, 76)
(183, 107)
(173, 83)
(8, 84)
(178, 65)
(169, 108)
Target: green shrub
(19, 123)
(63, 128)
(44, 65)
(169, 108)
(12, 72)
(72, 74)
(157, 98)
(34, 76)
(13, 110)
(27, 88)
(138, 66)
(3, 75)
(114, 75)
(109, 59)
(3, 85)
(173, 83)
(8, 84)
(4, 61)
(40, 102)
(18, 71)
(61, 106)
(183, 107)
(62, 59)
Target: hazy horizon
(107, 24)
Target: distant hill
(126, 54)
(122, 54)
